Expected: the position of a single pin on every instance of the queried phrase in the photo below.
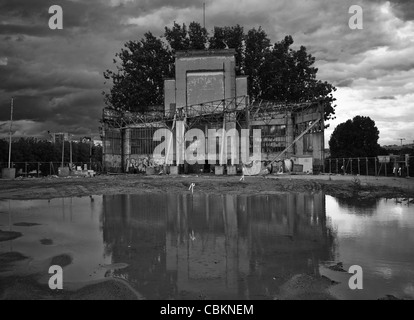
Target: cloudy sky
(56, 75)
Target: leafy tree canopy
(355, 138)
(276, 71)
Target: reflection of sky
(249, 238)
(72, 224)
(380, 242)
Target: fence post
(25, 169)
(366, 166)
(351, 165)
(386, 169)
(337, 160)
(375, 160)
(38, 169)
(50, 169)
(330, 166)
(359, 167)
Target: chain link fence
(43, 169)
(402, 166)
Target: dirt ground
(335, 185)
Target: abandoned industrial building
(207, 94)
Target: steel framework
(239, 108)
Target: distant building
(57, 137)
(398, 147)
(97, 143)
(86, 140)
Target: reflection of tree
(224, 246)
(366, 206)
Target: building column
(232, 151)
(126, 148)
(290, 134)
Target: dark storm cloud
(32, 17)
(63, 109)
(91, 15)
(56, 75)
(22, 29)
(20, 78)
(26, 107)
(404, 9)
(78, 111)
(345, 83)
(385, 98)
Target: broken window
(113, 142)
(142, 140)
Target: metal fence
(42, 169)
(370, 166)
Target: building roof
(205, 53)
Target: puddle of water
(69, 226)
(377, 235)
(220, 247)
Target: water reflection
(217, 247)
(200, 246)
(380, 240)
(357, 206)
(72, 226)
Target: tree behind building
(355, 138)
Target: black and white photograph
(207, 154)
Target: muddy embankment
(338, 186)
(22, 280)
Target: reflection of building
(97, 143)
(86, 140)
(92, 141)
(225, 247)
(207, 94)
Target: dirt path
(340, 186)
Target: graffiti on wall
(113, 163)
(137, 164)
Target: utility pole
(63, 148)
(90, 153)
(204, 15)
(10, 131)
(70, 148)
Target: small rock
(389, 297)
(338, 267)
(26, 224)
(46, 242)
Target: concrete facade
(203, 76)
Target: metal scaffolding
(240, 108)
